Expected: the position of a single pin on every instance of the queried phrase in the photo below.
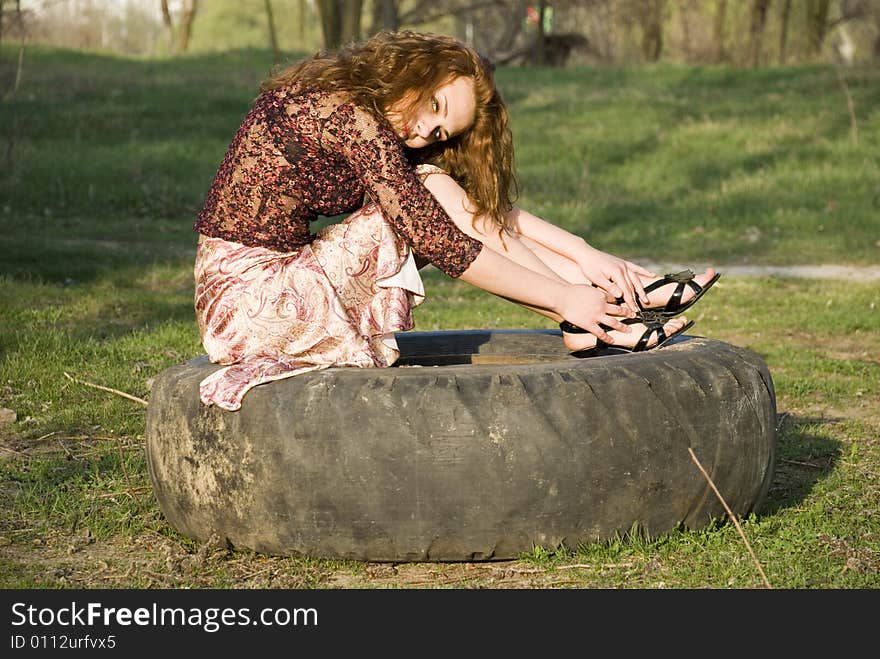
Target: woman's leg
(528, 254)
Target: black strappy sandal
(683, 279)
(653, 322)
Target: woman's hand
(588, 306)
(617, 277)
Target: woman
(408, 133)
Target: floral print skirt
(267, 315)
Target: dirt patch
(153, 561)
(818, 271)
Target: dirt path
(844, 272)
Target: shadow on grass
(109, 322)
(804, 456)
(91, 300)
(88, 264)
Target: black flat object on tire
(478, 445)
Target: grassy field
(666, 164)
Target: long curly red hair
(408, 67)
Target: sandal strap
(571, 328)
(673, 278)
(652, 326)
(651, 316)
(683, 279)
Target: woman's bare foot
(660, 296)
(575, 342)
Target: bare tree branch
(756, 30)
(854, 10)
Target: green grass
(703, 163)
(665, 163)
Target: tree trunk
(386, 16)
(783, 29)
(189, 14)
(719, 54)
(330, 23)
(683, 18)
(179, 37)
(756, 30)
(351, 21)
(540, 40)
(273, 35)
(511, 27)
(817, 25)
(340, 21)
(652, 29)
(169, 24)
(877, 38)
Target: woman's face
(448, 112)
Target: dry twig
(60, 442)
(520, 570)
(118, 441)
(112, 391)
(127, 492)
(803, 464)
(732, 516)
(130, 488)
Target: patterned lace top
(301, 154)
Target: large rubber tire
(507, 443)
